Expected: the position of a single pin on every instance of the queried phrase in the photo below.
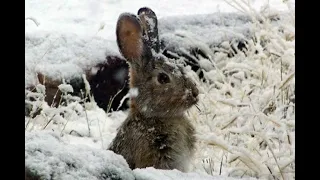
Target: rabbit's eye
(163, 78)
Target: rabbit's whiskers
(197, 105)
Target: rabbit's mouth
(191, 97)
(192, 101)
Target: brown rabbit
(156, 132)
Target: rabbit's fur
(156, 132)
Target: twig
(111, 99)
(49, 122)
(230, 122)
(67, 120)
(285, 82)
(221, 165)
(34, 20)
(100, 133)
(89, 131)
(275, 159)
(54, 98)
(271, 172)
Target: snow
(53, 158)
(62, 55)
(74, 35)
(65, 88)
(133, 92)
(246, 123)
(154, 174)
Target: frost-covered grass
(246, 123)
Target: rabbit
(156, 132)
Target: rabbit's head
(163, 89)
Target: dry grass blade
(230, 122)
(34, 20)
(286, 81)
(112, 98)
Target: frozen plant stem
(221, 164)
(54, 98)
(100, 133)
(112, 98)
(67, 121)
(89, 131)
(34, 20)
(49, 122)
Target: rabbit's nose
(195, 92)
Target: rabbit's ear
(149, 23)
(129, 37)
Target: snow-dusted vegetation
(245, 117)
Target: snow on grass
(246, 123)
(80, 120)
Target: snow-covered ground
(246, 122)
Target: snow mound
(212, 28)
(63, 55)
(51, 158)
